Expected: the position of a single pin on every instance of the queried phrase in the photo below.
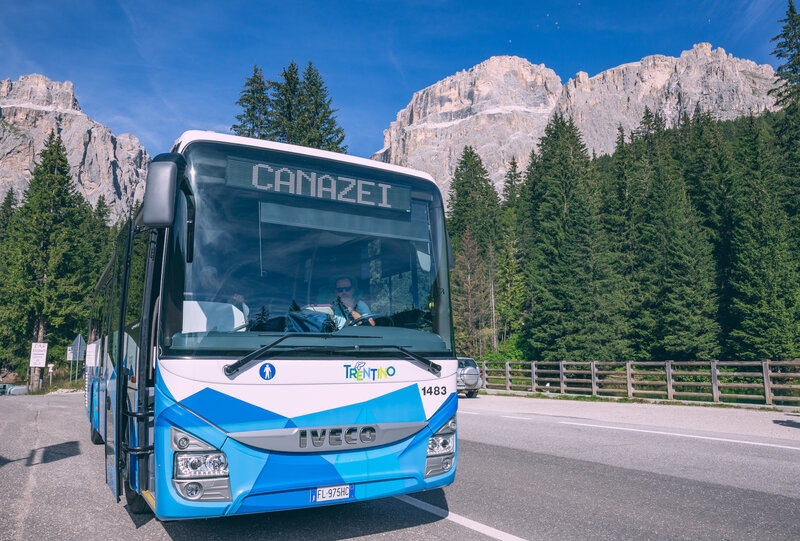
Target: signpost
(38, 360)
(78, 351)
(70, 358)
(50, 369)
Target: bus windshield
(267, 243)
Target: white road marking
(512, 417)
(684, 435)
(469, 412)
(458, 519)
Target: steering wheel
(362, 319)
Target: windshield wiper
(429, 365)
(231, 369)
(432, 367)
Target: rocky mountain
(501, 106)
(101, 163)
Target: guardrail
(767, 382)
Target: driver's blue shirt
(360, 307)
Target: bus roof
(192, 136)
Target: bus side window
(117, 291)
(133, 305)
(105, 300)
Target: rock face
(501, 106)
(101, 163)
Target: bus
(273, 331)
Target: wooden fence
(765, 382)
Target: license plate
(329, 494)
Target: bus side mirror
(158, 207)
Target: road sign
(78, 348)
(70, 353)
(38, 354)
(50, 367)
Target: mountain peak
(501, 106)
(36, 90)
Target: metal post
(533, 376)
(508, 376)
(485, 376)
(629, 377)
(668, 374)
(562, 375)
(594, 378)
(767, 382)
(714, 382)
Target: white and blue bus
(274, 332)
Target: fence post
(485, 376)
(508, 376)
(594, 378)
(629, 377)
(767, 382)
(670, 390)
(714, 382)
(533, 376)
(562, 376)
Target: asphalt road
(529, 469)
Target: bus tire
(135, 502)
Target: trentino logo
(267, 371)
(359, 373)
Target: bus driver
(346, 300)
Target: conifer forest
(682, 245)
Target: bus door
(114, 368)
(137, 410)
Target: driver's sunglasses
(343, 289)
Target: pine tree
(7, 209)
(46, 284)
(511, 290)
(286, 107)
(473, 203)
(316, 125)
(677, 308)
(764, 283)
(574, 316)
(470, 297)
(787, 48)
(254, 101)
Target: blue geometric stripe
(234, 415)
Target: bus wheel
(135, 501)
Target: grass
(59, 383)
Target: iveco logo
(334, 437)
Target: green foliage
(255, 104)
(787, 48)
(293, 109)
(473, 204)
(575, 315)
(7, 209)
(49, 262)
(764, 283)
(470, 298)
(317, 126)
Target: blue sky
(156, 69)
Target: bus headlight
(193, 465)
(441, 449)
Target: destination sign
(306, 182)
